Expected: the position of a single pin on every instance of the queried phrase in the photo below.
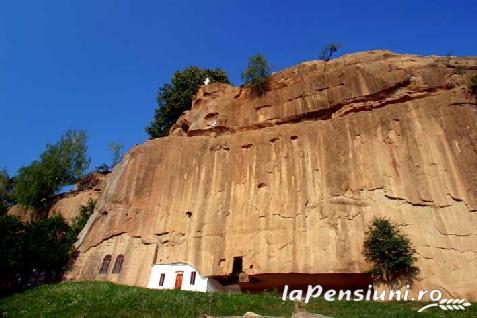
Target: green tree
(6, 192)
(79, 222)
(48, 247)
(328, 51)
(390, 253)
(12, 237)
(60, 164)
(176, 97)
(257, 74)
(116, 148)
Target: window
(161, 279)
(192, 278)
(105, 265)
(118, 265)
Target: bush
(328, 51)
(6, 192)
(102, 169)
(33, 253)
(60, 164)
(257, 74)
(116, 148)
(12, 236)
(473, 85)
(79, 222)
(390, 252)
(176, 97)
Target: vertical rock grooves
(289, 181)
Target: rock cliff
(289, 181)
(66, 204)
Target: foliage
(104, 299)
(33, 253)
(102, 169)
(115, 148)
(390, 252)
(473, 85)
(48, 246)
(12, 235)
(257, 74)
(328, 51)
(6, 192)
(176, 97)
(79, 222)
(60, 164)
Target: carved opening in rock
(189, 214)
(261, 185)
(185, 127)
(118, 264)
(237, 266)
(210, 115)
(251, 266)
(277, 281)
(274, 139)
(247, 146)
(105, 265)
(104, 212)
(221, 260)
(294, 137)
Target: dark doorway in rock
(237, 266)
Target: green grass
(100, 299)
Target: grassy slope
(98, 299)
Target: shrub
(473, 85)
(6, 192)
(116, 148)
(257, 74)
(60, 164)
(176, 97)
(33, 253)
(328, 51)
(79, 222)
(390, 252)
(102, 169)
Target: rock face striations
(289, 181)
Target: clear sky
(97, 65)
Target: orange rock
(290, 181)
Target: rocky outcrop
(289, 181)
(66, 204)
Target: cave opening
(237, 266)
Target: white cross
(207, 81)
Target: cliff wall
(289, 181)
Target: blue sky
(97, 65)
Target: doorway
(179, 276)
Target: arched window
(105, 265)
(118, 264)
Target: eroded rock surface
(290, 181)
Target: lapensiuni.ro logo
(371, 294)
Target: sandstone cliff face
(290, 181)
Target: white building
(181, 276)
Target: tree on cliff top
(390, 252)
(176, 97)
(257, 74)
(60, 164)
(328, 51)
